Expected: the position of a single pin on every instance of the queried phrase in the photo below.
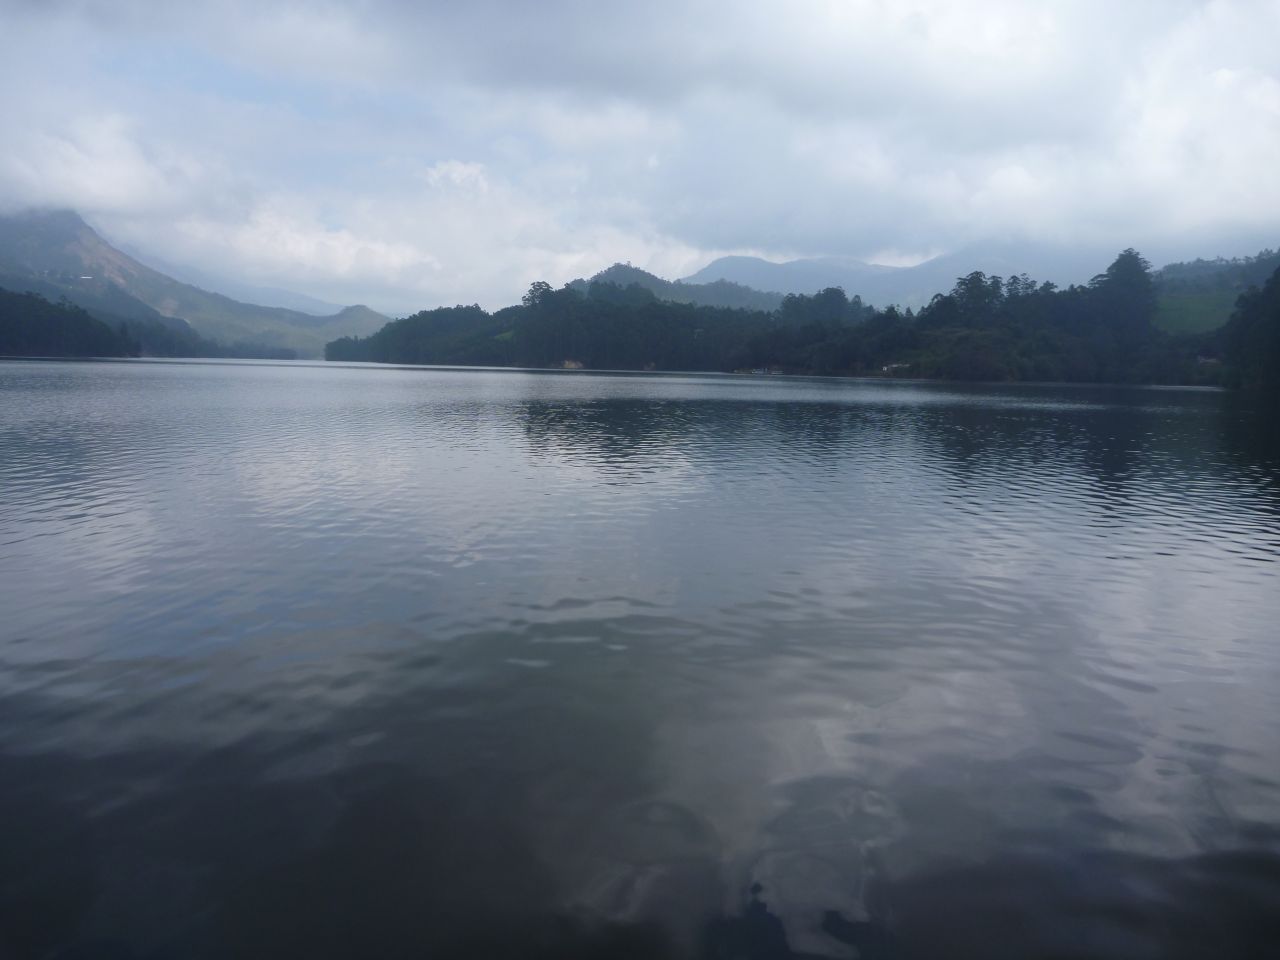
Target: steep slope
(230, 287)
(63, 254)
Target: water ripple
(621, 646)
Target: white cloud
(407, 155)
(279, 239)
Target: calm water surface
(321, 661)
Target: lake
(324, 661)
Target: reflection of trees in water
(1103, 455)
(1250, 431)
(608, 431)
(1109, 435)
(816, 428)
(636, 430)
(635, 434)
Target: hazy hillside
(793, 276)
(717, 293)
(1200, 295)
(904, 286)
(983, 328)
(31, 326)
(230, 287)
(1194, 297)
(57, 254)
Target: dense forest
(32, 326)
(1251, 339)
(985, 328)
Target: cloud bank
(408, 155)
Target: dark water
(308, 661)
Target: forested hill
(718, 293)
(1193, 297)
(985, 328)
(56, 254)
(607, 327)
(31, 326)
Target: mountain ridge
(1194, 296)
(263, 296)
(911, 286)
(56, 252)
(719, 293)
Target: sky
(407, 155)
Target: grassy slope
(1195, 312)
(1199, 295)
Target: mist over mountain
(806, 275)
(985, 327)
(904, 286)
(716, 293)
(55, 253)
(1194, 295)
(263, 296)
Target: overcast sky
(410, 154)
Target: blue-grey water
(339, 661)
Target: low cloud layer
(408, 155)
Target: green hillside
(987, 328)
(1199, 295)
(1194, 312)
(57, 254)
(719, 293)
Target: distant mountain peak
(805, 275)
(905, 286)
(624, 271)
(715, 294)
